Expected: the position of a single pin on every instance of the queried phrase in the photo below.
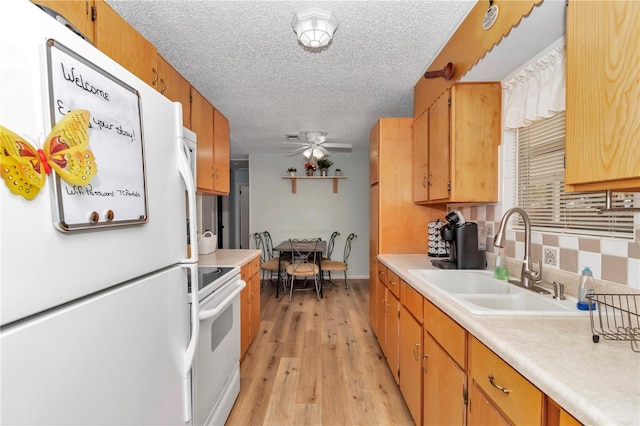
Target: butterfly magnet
(24, 168)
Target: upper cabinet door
(421, 159)
(175, 87)
(374, 147)
(120, 41)
(220, 152)
(603, 95)
(202, 125)
(78, 12)
(439, 148)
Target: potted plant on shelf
(324, 165)
(338, 172)
(292, 171)
(310, 168)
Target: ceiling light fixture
(314, 152)
(314, 28)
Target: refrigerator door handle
(187, 176)
(190, 352)
(211, 313)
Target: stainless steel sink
(479, 293)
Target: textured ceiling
(243, 56)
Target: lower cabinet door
(444, 386)
(245, 319)
(411, 363)
(482, 412)
(255, 306)
(393, 334)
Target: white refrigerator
(94, 306)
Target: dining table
(302, 247)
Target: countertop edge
(228, 257)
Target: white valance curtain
(536, 91)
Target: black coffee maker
(462, 237)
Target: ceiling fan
(316, 145)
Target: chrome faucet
(528, 277)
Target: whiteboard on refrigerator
(117, 194)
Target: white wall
(315, 211)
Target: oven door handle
(210, 313)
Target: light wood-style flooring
(317, 363)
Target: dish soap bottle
(501, 272)
(586, 283)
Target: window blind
(540, 187)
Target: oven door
(218, 351)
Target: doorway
(244, 216)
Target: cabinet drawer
(382, 273)
(412, 300)
(393, 283)
(447, 332)
(523, 401)
(245, 272)
(254, 266)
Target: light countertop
(599, 384)
(228, 257)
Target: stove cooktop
(213, 276)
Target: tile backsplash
(613, 260)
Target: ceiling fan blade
(336, 145)
(295, 143)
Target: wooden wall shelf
(294, 181)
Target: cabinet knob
(416, 348)
(155, 76)
(424, 363)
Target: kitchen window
(540, 187)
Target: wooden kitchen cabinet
(374, 152)
(511, 393)
(444, 367)
(221, 172)
(388, 321)
(396, 224)
(445, 385)
(77, 12)
(393, 334)
(202, 125)
(175, 87)
(212, 130)
(482, 412)
(455, 368)
(463, 132)
(249, 304)
(381, 317)
(411, 351)
(421, 158)
(602, 145)
(122, 43)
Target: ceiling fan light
(315, 28)
(317, 153)
(307, 153)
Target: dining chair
(334, 265)
(305, 264)
(267, 265)
(332, 242)
(268, 243)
